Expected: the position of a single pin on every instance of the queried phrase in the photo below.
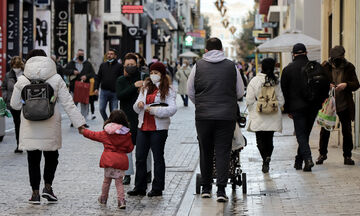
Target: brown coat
(352, 83)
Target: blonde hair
(16, 62)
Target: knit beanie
(159, 67)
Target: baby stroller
(236, 176)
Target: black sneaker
(154, 193)
(122, 204)
(349, 161)
(206, 192)
(321, 159)
(35, 199)
(126, 180)
(308, 165)
(221, 196)
(49, 195)
(136, 192)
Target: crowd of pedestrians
(147, 100)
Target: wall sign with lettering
(61, 30)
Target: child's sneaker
(122, 204)
(102, 200)
(49, 195)
(35, 199)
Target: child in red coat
(117, 143)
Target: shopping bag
(326, 117)
(81, 92)
(239, 141)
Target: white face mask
(17, 70)
(155, 78)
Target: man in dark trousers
(80, 69)
(214, 85)
(343, 77)
(106, 78)
(297, 106)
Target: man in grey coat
(214, 85)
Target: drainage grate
(270, 192)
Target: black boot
(321, 159)
(349, 161)
(308, 165)
(265, 166)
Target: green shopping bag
(3, 110)
(326, 117)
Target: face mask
(110, 60)
(17, 70)
(131, 69)
(81, 58)
(165, 62)
(155, 78)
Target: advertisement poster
(2, 39)
(28, 28)
(61, 18)
(12, 31)
(43, 29)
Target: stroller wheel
(198, 183)
(244, 184)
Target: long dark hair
(268, 67)
(118, 117)
(163, 87)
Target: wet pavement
(330, 189)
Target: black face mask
(337, 62)
(131, 70)
(81, 58)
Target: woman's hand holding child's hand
(81, 129)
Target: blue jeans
(106, 97)
(303, 123)
(154, 140)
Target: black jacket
(108, 74)
(8, 86)
(292, 85)
(350, 79)
(87, 70)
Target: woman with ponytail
(264, 124)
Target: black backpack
(38, 100)
(317, 83)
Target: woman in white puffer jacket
(153, 128)
(264, 125)
(43, 137)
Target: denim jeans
(303, 123)
(154, 140)
(106, 97)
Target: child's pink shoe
(122, 204)
(102, 200)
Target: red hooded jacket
(117, 143)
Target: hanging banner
(28, 28)
(43, 26)
(3, 20)
(61, 30)
(13, 39)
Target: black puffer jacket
(292, 85)
(87, 71)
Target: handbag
(239, 141)
(326, 117)
(81, 92)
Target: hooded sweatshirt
(213, 56)
(117, 143)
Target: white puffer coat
(258, 121)
(162, 114)
(44, 135)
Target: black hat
(337, 51)
(299, 48)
